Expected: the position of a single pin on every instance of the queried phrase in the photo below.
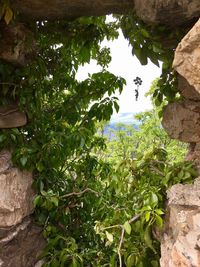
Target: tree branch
(120, 246)
(133, 219)
(80, 193)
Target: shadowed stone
(187, 57)
(186, 90)
(12, 117)
(21, 246)
(180, 245)
(17, 44)
(181, 120)
(16, 194)
(169, 12)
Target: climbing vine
(92, 212)
(157, 44)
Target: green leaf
(159, 221)
(23, 160)
(109, 236)
(148, 239)
(155, 263)
(13, 137)
(75, 263)
(145, 33)
(85, 54)
(2, 138)
(127, 227)
(36, 200)
(141, 55)
(159, 211)
(116, 106)
(154, 199)
(140, 264)
(147, 216)
(54, 200)
(39, 166)
(8, 15)
(55, 263)
(130, 262)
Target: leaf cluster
(97, 207)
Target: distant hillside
(125, 118)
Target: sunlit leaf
(127, 227)
(109, 236)
(8, 15)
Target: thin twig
(79, 193)
(157, 171)
(120, 246)
(120, 225)
(8, 83)
(112, 226)
(135, 218)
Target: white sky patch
(123, 117)
(125, 65)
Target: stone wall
(20, 239)
(181, 240)
(180, 244)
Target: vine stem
(120, 246)
(8, 83)
(112, 226)
(80, 193)
(133, 219)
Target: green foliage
(155, 43)
(97, 207)
(130, 143)
(146, 162)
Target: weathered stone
(21, 245)
(20, 239)
(181, 121)
(12, 117)
(187, 57)
(194, 155)
(186, 90)
(17, 45)
(169, 12)
(180, 245)
(5, 160)
(16, 194)
(39, 263)
(180, 194)
(67, 9)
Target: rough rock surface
(169, 12)
(16, 194)
(20, 239)
(59, 9)
(15, 44)
(180, 246)
(187, 57)
(11, 117)
(181, 121)
(186, 90)
(21, 245)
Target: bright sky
(125, 65)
